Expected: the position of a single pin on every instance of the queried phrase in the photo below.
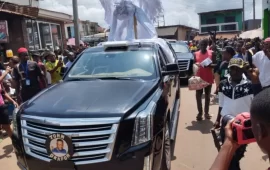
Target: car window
(130, 64)
(180, 48)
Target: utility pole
(243, 15)
(76, 22)
(254, 23)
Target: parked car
(185, 58)
(117, 108)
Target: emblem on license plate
(59, 147)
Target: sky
(176, 12)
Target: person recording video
(235, 96)
(260, 124)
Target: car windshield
(180, 48)
(120, 64)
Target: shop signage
(3, 32)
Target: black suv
(117, 108)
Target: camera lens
(247, 123)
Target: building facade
(177, 32)
(47, 31)
(266, 18)
(249, 24)
(221, 21)
(13, 28)
(86, 28)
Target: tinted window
(180, 48)
(128, 64)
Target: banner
(3, 32)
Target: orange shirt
(205, 73)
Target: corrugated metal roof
(166, 31)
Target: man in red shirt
(206, 74)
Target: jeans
(199, 93)
(238, 155)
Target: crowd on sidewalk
(28, 73)
(240, 70)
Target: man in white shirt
(235, 97)
(261, 60)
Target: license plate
(61, 165)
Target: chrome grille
(183, 65)
(93, 139)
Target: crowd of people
(239, 70)
(26, 74)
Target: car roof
(156, 41)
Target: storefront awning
(30, 12)
(166, 31)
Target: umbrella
(71, 41)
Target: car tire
(166, 157)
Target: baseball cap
(237, 62)
(22, 50)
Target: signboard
(3, 32)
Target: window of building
(231, 27)
(211, 21)
(206, 29)
(32, 34)
(229, 19)
(56, 35)
(45, 35)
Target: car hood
(98, 98)
(184, 56)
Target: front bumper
(131, 161)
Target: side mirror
(171, 69)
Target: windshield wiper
(115, 78)
(80, 79)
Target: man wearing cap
(27, 75)
(235, 96)
(261, 60)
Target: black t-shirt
(223, 70)
(28, 74)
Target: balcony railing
(222, 27)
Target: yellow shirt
(193, 48)
(56, 77)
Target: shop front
(43, 35)
(47, 31)
(13, 28)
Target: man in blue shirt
(59, 147)
(238, 49)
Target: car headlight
(143, 130)
(14, 120)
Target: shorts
(27, 94)
(4, 117)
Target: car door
(170, 84)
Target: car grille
(183, 65)
(93, 139)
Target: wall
(182, 33)
(220, 17)
(266, 18)
(35, 3)
(81, 31)
(17, 38)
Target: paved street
(194, 150)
